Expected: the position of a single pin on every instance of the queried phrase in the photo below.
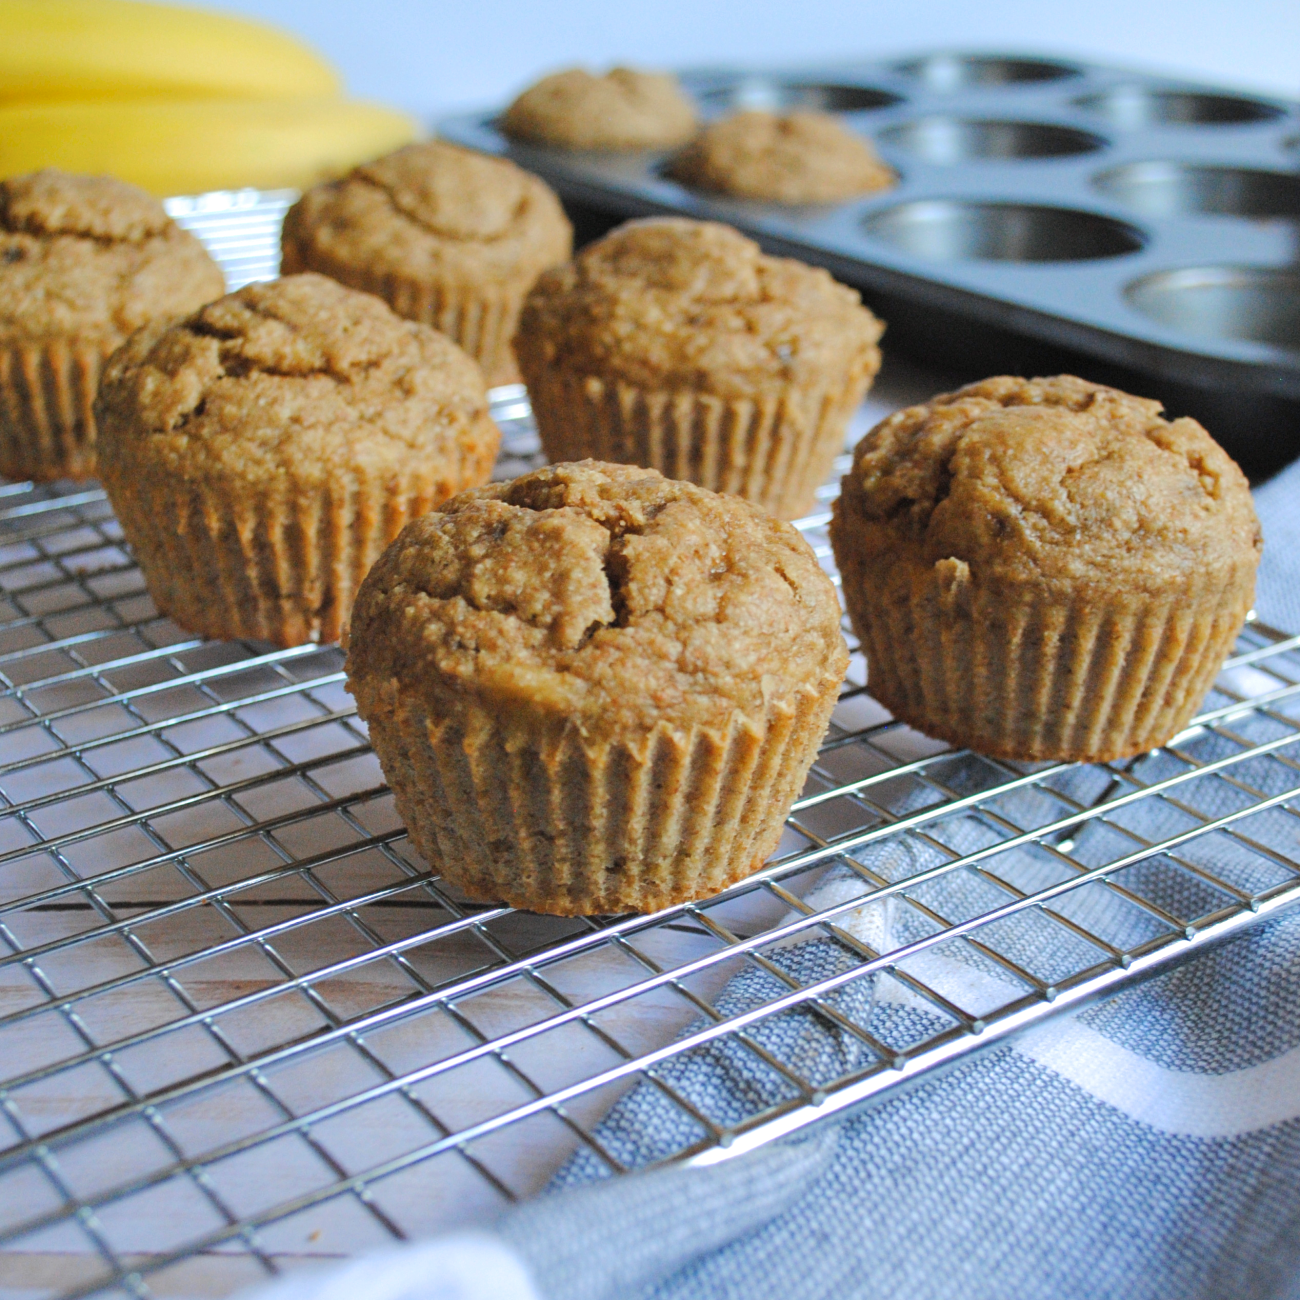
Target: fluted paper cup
(542, 819)
(775, 449)
(1022, 672)
(281, 564)
(47, 425)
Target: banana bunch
(177, 100)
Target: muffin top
(294, 379)
(1051, 479)
(624, 109)
(605, 597)
(431, 210)
(674, 303)
(93, 258)
(799, 157)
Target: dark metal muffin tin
(1048, 212)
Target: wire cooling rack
(242, 1025)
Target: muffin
(623, 110)
(261, 453)
(1045, 568)
(444, 235)
(678, 345)
(594, 689)
(84, 262)
(798, 157)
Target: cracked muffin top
(604, 596)
(292, 379)
(93, 258)
(800, 157)
(431, 209)
(624, 109)
(1046, 479)
(673, 303)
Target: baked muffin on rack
(1044, 568)
(623, 110)
(261, 453)
(84, 261)
(594, 689)
(678, 345)
(799, 157)
(444, 235)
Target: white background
(434, 56)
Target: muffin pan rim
(1090, 142)
(1102, 182)
(709, 107)
(1058, 69)
(1262, 108)
(1224, 274)
(1007, 211)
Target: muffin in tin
(84, 262)
(261, 453)
(1046, 568)
(594, 689)
(622, 110)
(679, 345)
(444, 235)
(790, 158)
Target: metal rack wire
(241, 1023)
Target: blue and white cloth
(1147, 1147)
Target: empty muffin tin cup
(949, 230)
(1135, 108)
(947, 72)
(1178, 189)
(950, 141)
(776, 95)
(1254, 304)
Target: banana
(188, 146)
(125, 49)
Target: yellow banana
(126, 49)
(188, 146)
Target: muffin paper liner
(47, 426)
(279, 565)
(1025, 674)
(774, 450)
(542, 819)
(481, 320)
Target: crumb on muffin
(444, 235)
(624, 109)
(606, 596)
(1055, 478)
(792, 158)
(672, 303)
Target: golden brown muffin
(1045, 568)
(623, 110)
(594, 689)
(261, 453)
(677, 344)
(444, 235)
(84, 261)
(799, 157)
